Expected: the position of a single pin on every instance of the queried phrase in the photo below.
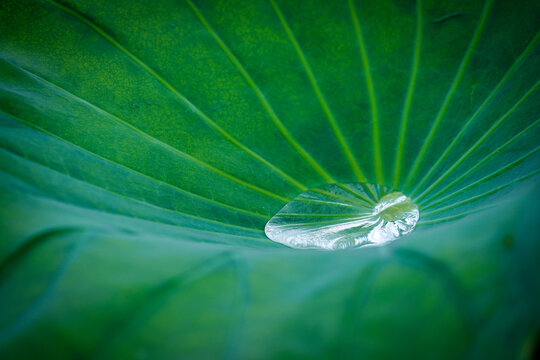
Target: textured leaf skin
(144, 145)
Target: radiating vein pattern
(495, 152)
(377, 160)
(483, 138)
(320, 97)
(481, 108)
(451, 91)
(173, 172)
(241, 163)
(283, 130)
(157, 141)
(115, 164)
(175, 92)
(409, 96)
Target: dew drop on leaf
(340, 216)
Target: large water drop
(339, 216)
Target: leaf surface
(144, 146)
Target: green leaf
(145, 145)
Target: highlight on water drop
(340, 216)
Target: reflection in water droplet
(339, 216)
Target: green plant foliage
(145, 144)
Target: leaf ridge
(319, 95)
(478, 197)
(480, 109)
(409, 95)
(169, 87)
(371, 95)
(485, 178)
(455, 217)
(344, 198)
(483, 161)
(126, 168)
(157, 141)
(482, 139)
(262, 98)
(457, 79)
(133, 199)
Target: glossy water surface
(339, 216)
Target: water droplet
(339, 216)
